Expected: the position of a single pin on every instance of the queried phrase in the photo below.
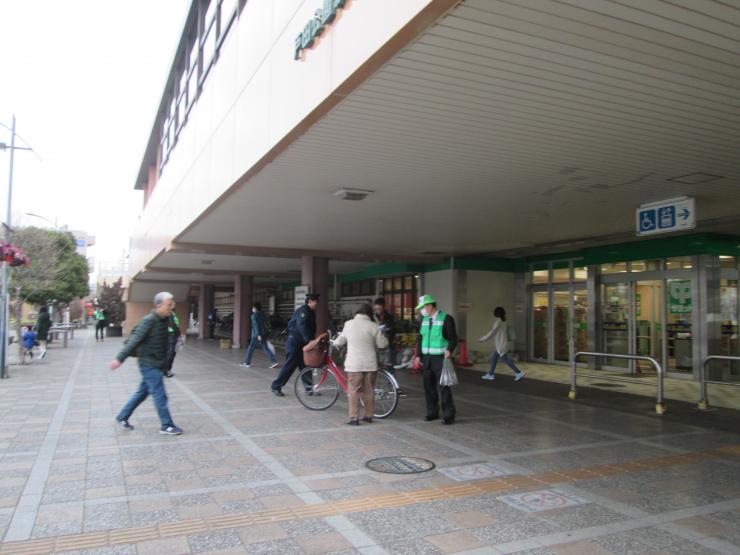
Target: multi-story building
(485, 151)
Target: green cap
(426, 299)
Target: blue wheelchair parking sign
(648, 220)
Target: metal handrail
(660, 407)
(703, 381)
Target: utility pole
(5, 293)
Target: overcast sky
(84, 79)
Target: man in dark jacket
(43, 323)
(258, 338)
(436, 342)
(387, 324)
(150, 340)
(301, 330)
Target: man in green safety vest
(436, 342)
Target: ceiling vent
(695, 178)
(352, 194)
(206, 262)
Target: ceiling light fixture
(206, 262)
(695, 178)
(352, 194)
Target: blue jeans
(253, 343)
(151, 384)
(506, 359)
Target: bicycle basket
(315, 357)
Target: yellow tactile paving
(506, 483)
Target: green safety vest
(432, 340)
(176, 320)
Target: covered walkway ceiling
(513, 126)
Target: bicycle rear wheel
(316, 388)
(386, 395)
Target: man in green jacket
(150, 340)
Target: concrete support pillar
(315, 274)
(242, 310)
(205, 304)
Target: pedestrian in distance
(301, 330)
(43, 323)
(212, 321)
(500, 334)
(436, 342)
(363, 338)
(258, 338)
(148, 342)
(29, 342)
(101, 322)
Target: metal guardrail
(703, 381)
(660, 407)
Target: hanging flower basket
(14, 256)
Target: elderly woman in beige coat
(363, 338)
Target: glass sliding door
(540, 319)
(680, 333)
(561, 325)
(648, 324)
(615, 321)
(580, 319)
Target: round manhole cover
(400, 465)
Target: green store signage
(314, 28)
(679, 296)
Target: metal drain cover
(400, 465)
(607, 384)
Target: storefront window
(580, 273)
(615, 317)
(580, 319)
(678, 263)
(680, 310)
(614, 268)
(728, 262)
(646, 265)
(540, 276)
(729, 307)
(400, 296)
(561, 275)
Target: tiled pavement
(258, 474)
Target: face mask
(424, 312)
(254, 310)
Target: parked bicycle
(317, 388)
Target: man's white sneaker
(245, 365)
(519, 376)
(489, 377)
(274, 365)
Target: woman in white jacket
(363, 338)
(500, 335)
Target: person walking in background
(212, 321)
(101, 322)
(363, 338)
(436, 342)
(258, 338)
(500, 335)
(148, 342)
(301, 330)
(43, 324)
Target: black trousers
(100, 329)
(431, 370)
(293, 360)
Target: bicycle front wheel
(386, 395)
(316, 388)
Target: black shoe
(125, 425)
(169, 374)
(367, 419)
(170, 430)
(448, 421)
(353, 422)
(429, 418)
(278, 393)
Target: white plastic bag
(448, 376)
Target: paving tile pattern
(258, 474)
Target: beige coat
(362, 337)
